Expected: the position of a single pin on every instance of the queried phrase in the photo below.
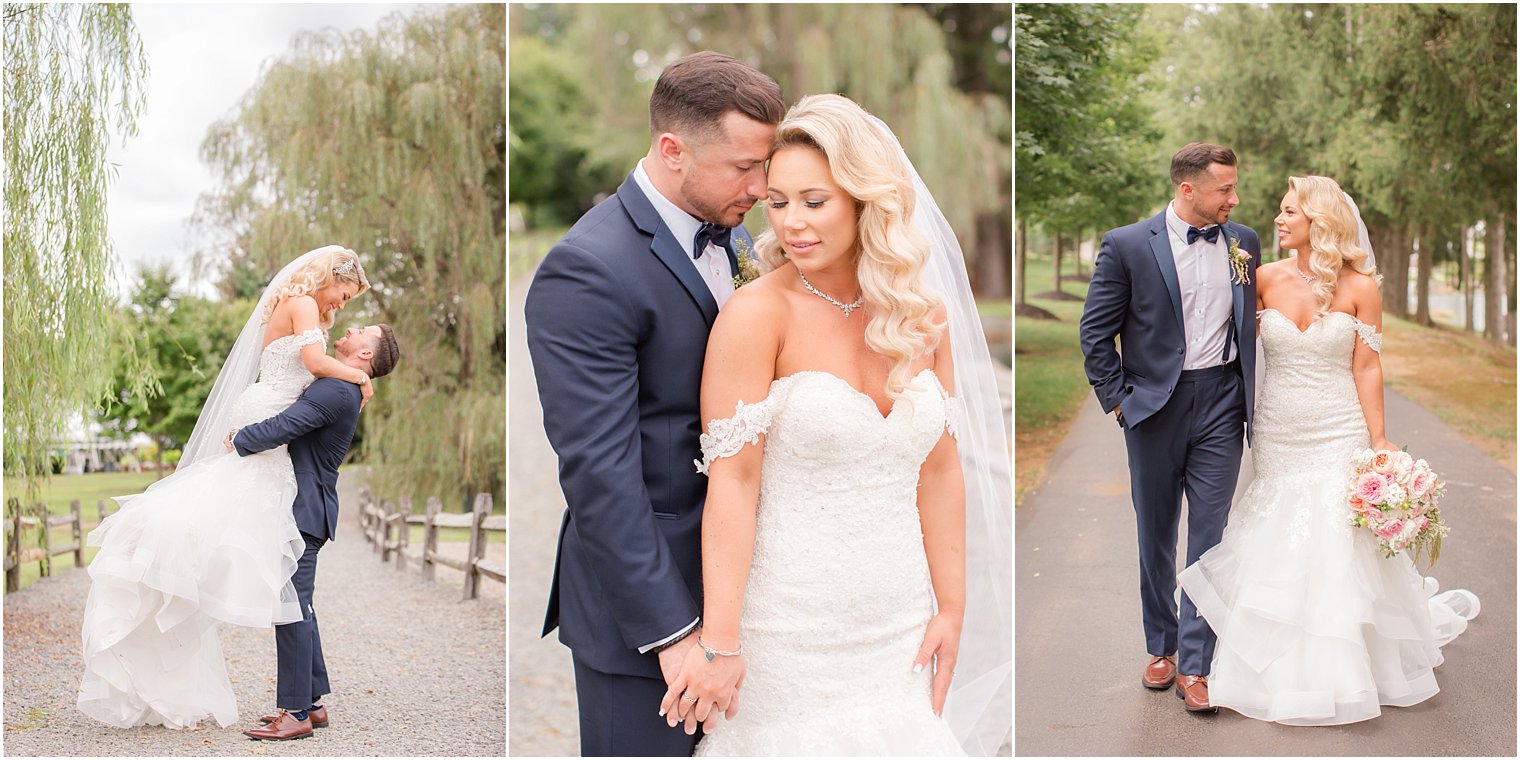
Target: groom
(617, 322)
(319, 427)
(1179, 292)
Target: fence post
(13, 546)
(387, 509)
(477, 546)
(44, 539)
(430, 538)
(404, 537)
(78, 533)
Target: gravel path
(543, 708)
(416, 671)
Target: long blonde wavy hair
(1333, 236)
(890, 254)
(340, 265)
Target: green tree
(895, 61)
(1084, 137)
(73, 76)
(184, 339)
(393, 143)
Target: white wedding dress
(216, 541)
(1315, 626)
(839, 592)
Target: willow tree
(73, 77)
(391, 142)
(895, 61)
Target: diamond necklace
(845, 307)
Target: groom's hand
(672, 657)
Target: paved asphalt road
(1079, 649)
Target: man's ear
(671, 150)
(366, 354)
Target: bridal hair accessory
(845, 307)
(345, 269)
(710, 653)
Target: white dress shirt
(713, 266)
(1203, 279)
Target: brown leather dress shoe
(1194, 693)
(318, 717)
(284, 727)
(1160, 673)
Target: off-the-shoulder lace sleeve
(1369, 335)
(954, 412)
(314, 335)
(725, 438)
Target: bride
(215, 541)
(834, 536)
(1315, 626)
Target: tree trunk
(1427, 248)
(1493, 259)
(1465, 273)
(1018, 262)
(1079, 253)
(991, 265)
(1059, 242)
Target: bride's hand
(366, 389)
(1383, 444)
(942, 643)
(713, 684)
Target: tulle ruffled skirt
(215, 542)
(1315, 626)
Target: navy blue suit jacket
(617, 325)
(319, 427)
(1134, 295)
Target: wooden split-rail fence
(42, 551)
(387, 525)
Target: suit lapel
(1161, 248)
(1237, 289)
(666, 248)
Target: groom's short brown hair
(1196, 157)
(387, 353)
(694, 93)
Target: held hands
(702, 688)
(942, 643)
(228, 441)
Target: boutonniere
(1240, 263)
(749, 268)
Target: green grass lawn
(91, 488)
(525, 249)
(1048, 381)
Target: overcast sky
(201, 59)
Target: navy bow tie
(1211, 234)
(716, 234)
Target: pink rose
(1402, 462)
(1421, 484)
(1423, 523)
(1391, 528)
(1382, 462)
(1370, 487)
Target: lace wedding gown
(216, 541)
(1315, 626)
(839, 593)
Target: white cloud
(202, 60)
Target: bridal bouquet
(1395, 496)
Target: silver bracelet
(709, 652)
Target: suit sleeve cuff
(671, 639)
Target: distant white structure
(87, 448)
